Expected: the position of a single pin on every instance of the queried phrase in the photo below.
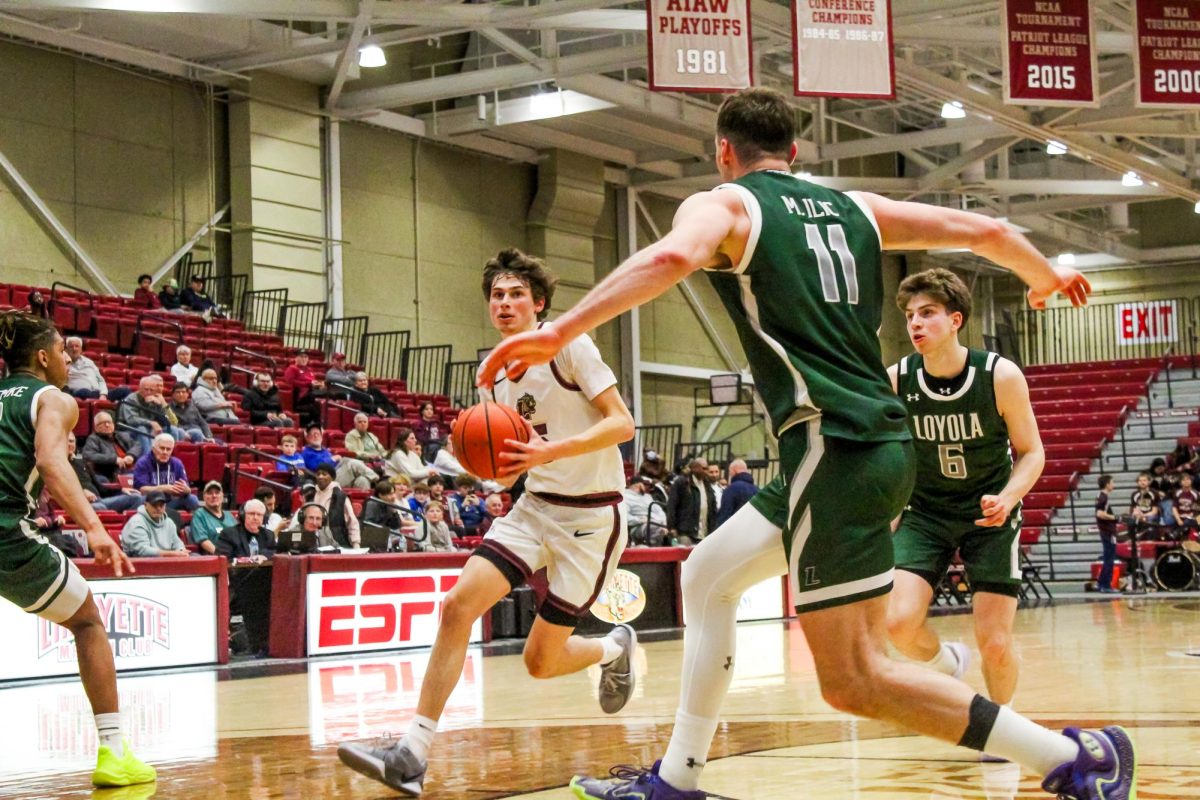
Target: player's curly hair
(758, 123)
(940, 285)
(22, 335)
(529, 270)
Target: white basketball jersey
(556, 399)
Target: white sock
(108, 729)
(612, 650)
(945, 662)
(1029, 744)
(420, 736)
(688, 751)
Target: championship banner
(1050, 53)
(843, 48)
(699, 45)
(1167, 53)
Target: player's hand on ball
(996, 508)
(105, 551)
(521, 456)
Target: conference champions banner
(843, 48)
(1049, 53)
(699, 45)
(1167, 53)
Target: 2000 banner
(699, 45)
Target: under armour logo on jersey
(912, 398)
(944, 390)
(693, 763)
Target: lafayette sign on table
(843, 48)
(1049, 57)
(699, 45)
(1168, 53)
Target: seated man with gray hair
(211, 401)
(183, 369)
(363, 443)
(263, 404)
(84, 380)
(372, 400)
(160, 472)
(146, 411)
(249, 537)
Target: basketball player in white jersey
(570, 520)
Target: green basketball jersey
(20, 483)
(960, 438)
(807, 301)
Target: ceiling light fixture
(1197, 208)
(953, 110)
(1054, 148)
(1131, 179)
(1066, 260)
(371, 55)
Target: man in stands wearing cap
(194, 299)
(653, 468)
(642, 513)
(210, 519)
(339, 373)
(169, 296)
(150, 532)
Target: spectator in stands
(194, 299)
(493, 509)
(49, 522)
(146, 410)
(1106, 523)
(169, 296)
(740, 489)
(438, 537)
(274, 520)
(249, 538)
(389, 516)
(445, 461)
(1185, 506)
(363, 443)
(144, 296)
(420, 497)
(431, 431)
(338, 373)
(404, 458)
(183, 369)
(340, 518)
(263, 403)
(83, 376)
(159, 471)
(298, 374)
(289, 458)
(210, 519)
(188, 417)
(371, 398)
(691, 504)
(350, 472)
(646, 521)
(437, 493)
(308, 404)
(470, 509)
(1143, 505)
(115, 499)
(211, 401)
(150, 532)
(717, 482)
(1185, 458)
(1164, 483)
(37, 304)
(107, 452)
(652, 467)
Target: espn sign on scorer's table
(350, 612)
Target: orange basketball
(479, 434)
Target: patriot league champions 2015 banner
(843, 48)
(699, 45)
(1167, 52)
(1049, 53)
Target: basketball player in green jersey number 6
(964, 408)
(35, 418)
(799, 269)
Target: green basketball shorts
(835, 500)
(925, 544)
(35, 575)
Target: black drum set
(1176, 565)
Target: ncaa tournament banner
(843, 48)
(699, 45)
(1049, 53)
(151, 622)
(1167, 53)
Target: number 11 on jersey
(837, 239)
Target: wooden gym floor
(270, 731)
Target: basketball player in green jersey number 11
(35, 419)
(799, 269)
(965, 407)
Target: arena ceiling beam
(946, 175)
(348, 58)
(895, 142)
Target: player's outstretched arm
(1012, 401)
(616, 427)
(56, 417)
(701, 226)
(917, 226)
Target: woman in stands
(405, 458)
(35, 418)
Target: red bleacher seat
(1053, 483)
(1065, 466)
(189, 454)
(1049, 500)
(1094, 405)
(1076, 435)
(1076, 450)
(1087, 393)
(212, 462)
